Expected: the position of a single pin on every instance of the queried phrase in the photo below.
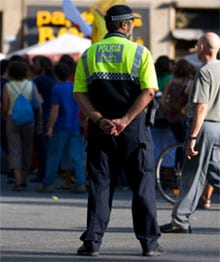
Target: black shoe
(171, 228)
(158, 251)
(83, 251)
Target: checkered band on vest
(112, 76)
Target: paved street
(36, 227)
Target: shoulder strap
(25, 85)
(15, 89)
(187, 84)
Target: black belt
(212, 121)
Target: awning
(187, 34)
(64, 44)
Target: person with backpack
(174, 102)
(175, 96)
(18, 96)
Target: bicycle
(169, 172)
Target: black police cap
(119, 13)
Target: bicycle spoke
(169, 172)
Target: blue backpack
(22, 111)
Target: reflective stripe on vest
(115, 76)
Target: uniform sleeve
(147, 73)
(80, 82)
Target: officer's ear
(124, 24)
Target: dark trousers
(40, 145)
(179, 132)
(106, 155)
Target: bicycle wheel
(169, 172)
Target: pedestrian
(44, 79)
(69, 176)
(163, 71)
(115, 80)
(161, 133)
(69, 61)
(202, 150)
(174, 99)
(20, 137)
(174, 102)
(4, 140)
(63, 130)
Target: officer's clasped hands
(120, 125)
(108, 127)
(113, 127)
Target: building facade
(167, 27)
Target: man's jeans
(65, 148)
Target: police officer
(115, 80)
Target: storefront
(167, 27)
